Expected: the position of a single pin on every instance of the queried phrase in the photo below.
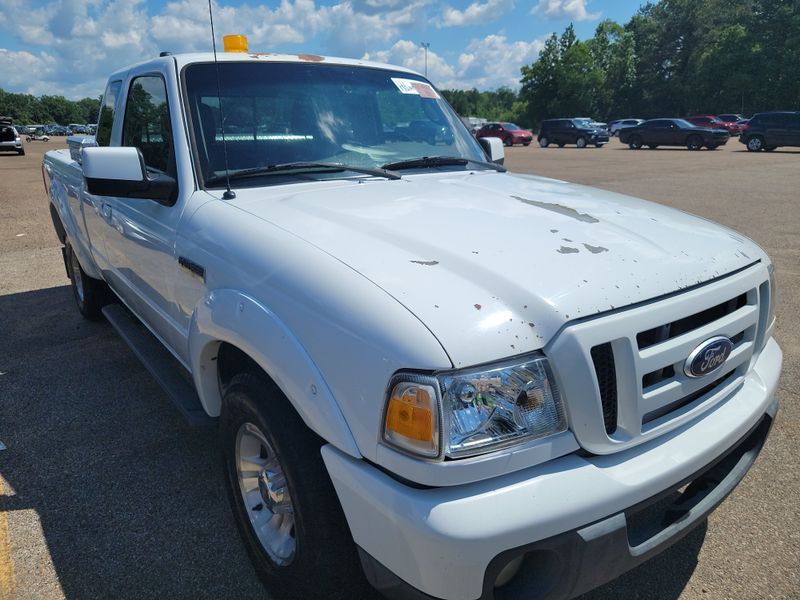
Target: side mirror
(493, 147)
(120, 171)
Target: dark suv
(767, 131)
(571, 131)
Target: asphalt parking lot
(104, 492)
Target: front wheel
(712, 146)
(581, 142)
(755, 143)
(21, 152)
(544, 142)
(599, 145)
(526, 143)
(90, 294)
(282, 497)
(28, 139)
(695, 142)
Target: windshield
(511, 126)
(586, 123)
(278, 113)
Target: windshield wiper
(440, 161)
(308, 167)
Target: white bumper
(441, 540)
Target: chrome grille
(622, 373)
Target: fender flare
(230, 316)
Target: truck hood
(495, 264)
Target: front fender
(228, 315)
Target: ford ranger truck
(428, 374)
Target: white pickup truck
(428, 374)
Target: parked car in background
(714, 123)
(576, 131)
(615, 126)
(673, 132)
(767, 131)
(510, 133)
(730, 117)
(9, 137)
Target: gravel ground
(105, 493)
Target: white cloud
(565, 9)
(71, 46)
(412, 56)
(475, 13)
(487, 63)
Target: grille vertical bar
(606, 372)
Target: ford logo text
(708, 356)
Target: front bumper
(566, 516)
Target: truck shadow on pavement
(131, 502)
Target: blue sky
(68, 47)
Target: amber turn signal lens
(412, 419)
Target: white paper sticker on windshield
(411, 86)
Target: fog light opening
(508, 572)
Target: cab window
(147, 125)
(106, 118)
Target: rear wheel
(769, 148)
(755, 143)
(90, 294)
(560, 145)
(712, 146)
(652, 146)
(285, 505)
(694, 142)
(508, 141)
(544, 142)
(581, 142)
(635, 142)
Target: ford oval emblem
(708, 356)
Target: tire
(544, 142)
(90, 294)
(561, 145)
(310, 552)
(581, 142)
(755, 143)
(508, 142)
(712, 146)
(635, 142)
(526, 144)
(694, 142)
(21, 152)
(769, 148)
(599, 145)
(652, 146)
(27, 139)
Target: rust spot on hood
(310, 57)
(558, 208)
(427, 263)
(477, 307)
(567, 250)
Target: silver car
(615, 126)
(9, 138)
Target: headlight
(482, 409)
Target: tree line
(673, 58)
(26, 109)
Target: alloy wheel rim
(265, 494)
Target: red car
(715, 123)
(508, 132)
